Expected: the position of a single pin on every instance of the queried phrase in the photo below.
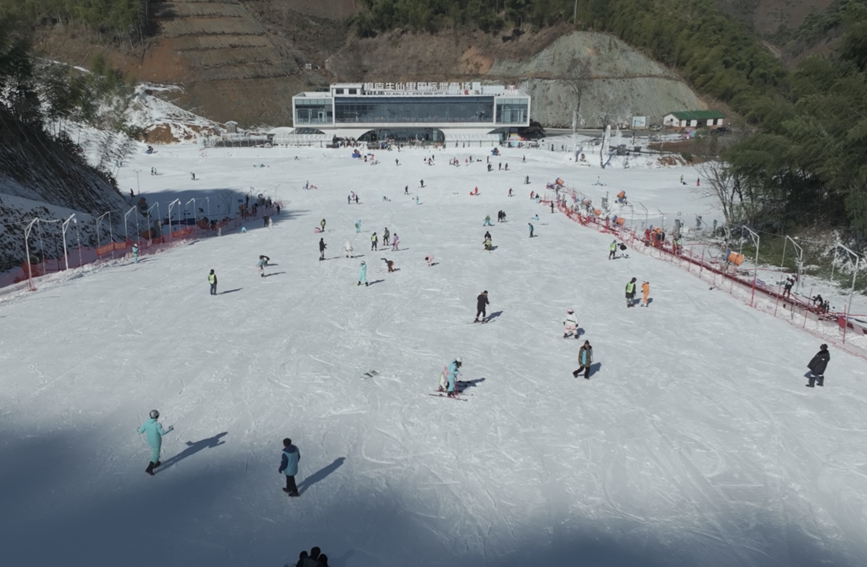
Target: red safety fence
(715, 266)
(81, 256)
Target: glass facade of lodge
(350, 110)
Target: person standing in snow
(263, 261)
(787, 287)
(481, 305)
(373, 242)
(531, 229)
(612, 250)
(585, 359)
(630, 293)
(357, 226)
(406, 190)
(449, 377)
(155, 433)
(645, 293)
(817, 367)
(395, 243)
(322, 224)
(362, 275)
(135, 253)
(322, 247)
(289, 466)
(212, 279)
(489, 244)
(429, 259)
(487, 221)
(552, 207)
(347, 249)
(385, 235)
(571, 324)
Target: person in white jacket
(571, 324)
(347, 248)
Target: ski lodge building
(694, 119)
(431, 112)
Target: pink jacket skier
(395, 242)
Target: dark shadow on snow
(376, 282)
(464, 384)
(595, 367)
(192, 449)
(274, 274)
(319, 475)
(230, 291)
(493, 315)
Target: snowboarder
(487, 221)
(347, 249)
(373, 242)
(322, 224)
(395, 244)
(357, 226)
(645, 293)
(260, 265)
(289, 466)
(322, 247)
(135, 253)
(585, 359)
(212, 279)
(449, 377)
(817, 366)
(385, 235)
(155, 434)
(630, 293)
(571, 324)
(481, 303)
(612, 250)
(429, 259)
(362, 275)
(531, 229)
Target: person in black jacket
(817, 366)
(481, 303)
(322, 247)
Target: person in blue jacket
(585, 359)
(289, 466)
(362, 275)
(155, 434)
(452, 376)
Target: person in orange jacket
(645, 290)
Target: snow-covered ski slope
(694, 442)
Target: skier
(389, 263)
(155, 434)
(362, 275)
(585, 359)
(406, 190)
(395, 244)
(817, 366)
(135, 253)
(347, 249)
(322, 247)
(487, 221)
(322, 224)
(289, 466)
(416, 200)
(481, 303)
(489, 245)
(510, 191)
(212, 279)
(373, 241)
(260, 265)
(630, 293)
(571, 324)
(552, 207)
(612, 250)
(531, 229)
(787, 287)
(429, 259)
(421, 183)
(385, 235)
(357, 226)
(449, 377)
(645, 292)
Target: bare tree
(578, 78)
(723, 185)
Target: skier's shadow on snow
(464, 384)
(493, 315)
(594, 368)
(231, 290)
(376, 281)
(649, 301)
(193, 448)
(274, 274)
(319, 475)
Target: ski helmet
(569, 311)
(363, 262)
(458, 360)
(154, 414)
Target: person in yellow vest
(212, 279)
(630, 293)
(612, 250)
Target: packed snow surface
(694, 442)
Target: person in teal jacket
(585, 359)
(362, 275)
(289, 466)
(452, 376)
(155, 434)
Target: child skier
(645, 291)
(347, 249)
(395, 243)
(571, 324)
(260, 265)
(487, 221)
(135, 253)
(155, 434)
(362, 275)
(357, 226)
(429, 259)
(449, 377)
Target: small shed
(231, 127)
(694, 119)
